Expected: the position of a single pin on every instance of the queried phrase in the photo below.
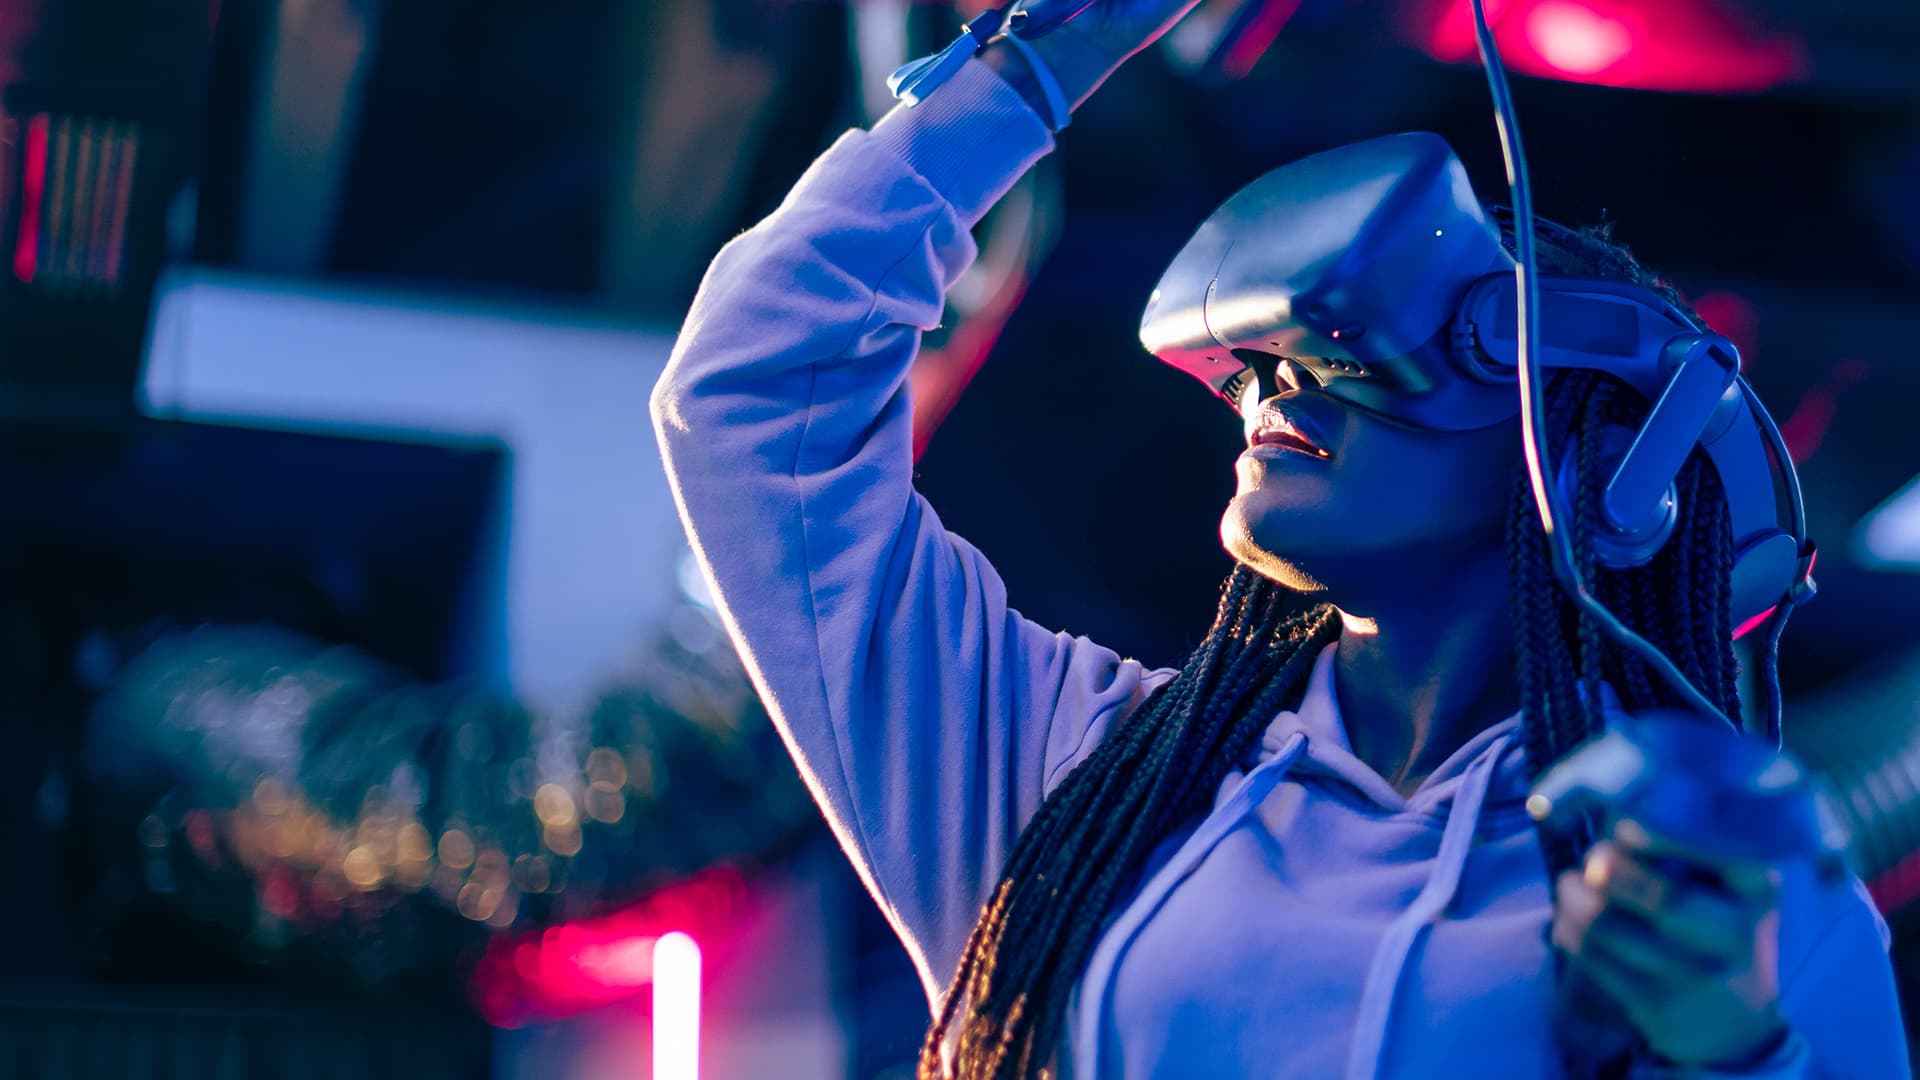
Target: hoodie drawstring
(1390, 957)
(1252, 791)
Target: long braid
(1006, 1008)
(1141, 741)
(1679, 600)
(1598, 392)
(1711, 561)
(1525, 572)
(1205, 741)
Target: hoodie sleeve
(1836, 989)
(927, 717)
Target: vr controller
(1697, 787)
(1691, 787)
(1372, 272)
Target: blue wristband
(1060, 112)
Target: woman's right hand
(1094, 43)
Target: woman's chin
(1261, 543)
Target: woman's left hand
(1686, 943)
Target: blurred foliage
(299, 803)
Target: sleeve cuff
(970, 140)
(1791, 1060)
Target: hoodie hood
(1486, 773)
(1329, 755)
(1306, 789)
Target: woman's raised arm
(928, 717)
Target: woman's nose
(1292, 375)
(1281, 376)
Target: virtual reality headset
(1373, 274)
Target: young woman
(1305, 852)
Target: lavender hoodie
(1316, 923)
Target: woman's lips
(1276, 428)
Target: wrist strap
(917, 78)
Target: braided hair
(1005, 1011)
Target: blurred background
(363, 714)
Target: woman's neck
(1416, 680)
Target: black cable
(1546, 494)
(1797, 525)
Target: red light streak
(1897, 886)
(122, 202)
(26, 245)
(1259, 36)
(1754, 623)
(1806, 427)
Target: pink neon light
(1693, 46)
(1735, 316)
(1575, 38)
(1452, 37)
(590, 963)
(33, 182)
(676, 1008)
(620, 963)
